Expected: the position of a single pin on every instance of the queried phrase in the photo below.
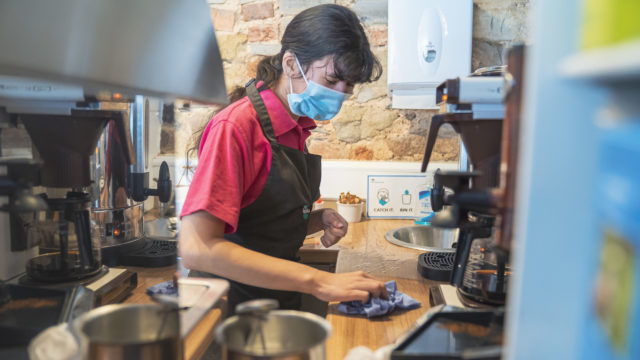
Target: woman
(248, 208)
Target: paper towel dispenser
(429, 42)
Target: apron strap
(261, 110)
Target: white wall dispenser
(429, 42)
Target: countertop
(363, 248)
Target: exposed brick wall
(263, 32)
(223, 20)
(366, 128)
(257, 11)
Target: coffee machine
(56, 241)
(474, 107)
(68, 248)
(61, 65)
(481, 268)
(467, 319)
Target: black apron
(276, 222)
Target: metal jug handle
(434, 127)
(257, 307)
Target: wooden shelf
(616, 63)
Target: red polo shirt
(235, 157)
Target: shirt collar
(281, 120)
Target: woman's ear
(290, 66)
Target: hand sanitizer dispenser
(429, 42)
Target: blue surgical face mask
(316, 101)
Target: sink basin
(423, 237)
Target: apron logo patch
(305, 211)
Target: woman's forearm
(202, 247)
(219, 256)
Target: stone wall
(366, 128)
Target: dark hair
(313, 34)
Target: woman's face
(322, 72)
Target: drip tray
(436, 265)
(144, 252)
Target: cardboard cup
(350, 212)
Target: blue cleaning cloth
(379, 306)
(164, 288)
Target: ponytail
(270, 69)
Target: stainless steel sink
(423, 237)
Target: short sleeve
(218, 182)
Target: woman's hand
(335, 227)
(347, 287)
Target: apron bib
(275, 223)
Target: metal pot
(130, 331)
(277, 334)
